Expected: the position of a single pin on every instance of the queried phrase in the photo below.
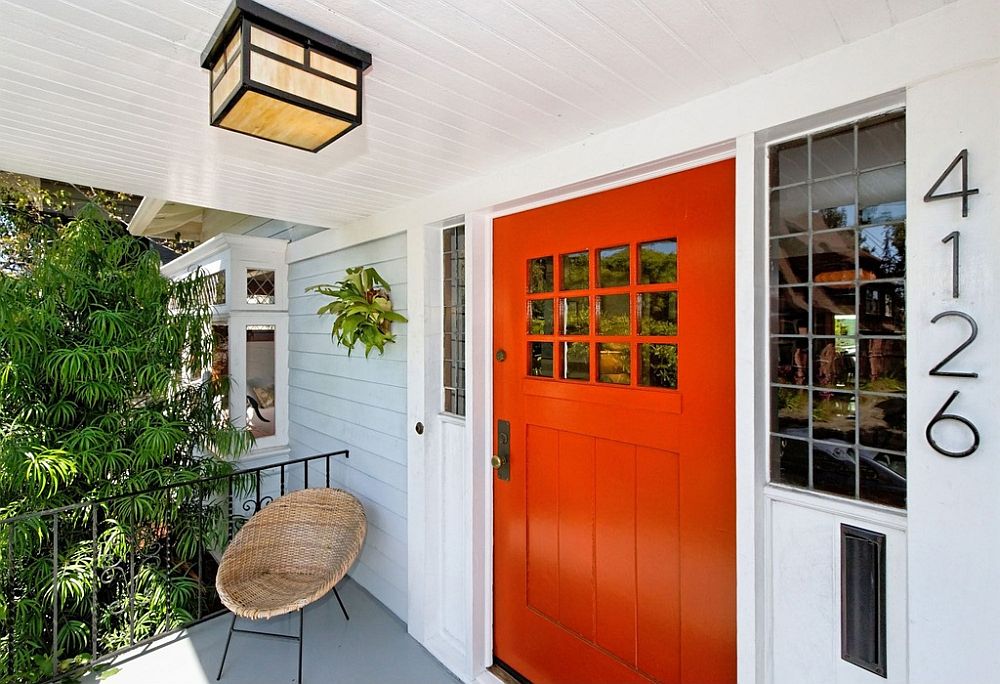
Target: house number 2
(953, 238)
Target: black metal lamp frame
(243, 14)
(289, 637)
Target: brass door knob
(497, 462)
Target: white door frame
(470, 660)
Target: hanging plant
(362, 308)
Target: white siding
(338, 401)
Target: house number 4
(953, 238)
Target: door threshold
(506, 674)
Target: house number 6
(953, 238)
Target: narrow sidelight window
(453, 320)
(837, 207)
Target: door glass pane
(833, 365)
(790, 411)
(540, 317)
(658, 313)
(575, 271)
(220, 358)
(540, 275)
(575, 314)
(615, 363)
(833, 310)
(883, 422)
(613, 315)
(260, 380)
(575, 361)
(658, 365)
(614, 267)
(658, 262)
(540, 359)
(790, 311)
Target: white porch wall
(342, 402)
(952, 593)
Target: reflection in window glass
(260, 380)
(540, 359)
(220, 358)
(575, 315)
(575, 271)
(453, 319)
(658, 365)
(540, 275)
(540, 317)
(217, 283)
(658, 313)
(614, 267)
(615, 363)
(575, 361)
(658, 262)
(613, 315)
(838, 305)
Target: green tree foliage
(101, 361)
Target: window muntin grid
(453, 320)
(837, 291)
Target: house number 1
(953, 238)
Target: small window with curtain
(453, 320)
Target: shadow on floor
(373, 648)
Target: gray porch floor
(372, 648)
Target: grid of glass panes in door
(838, 351)
(453, 320)
(605, 315)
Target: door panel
(615, 535)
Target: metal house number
(953, 238)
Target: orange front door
(614, 556)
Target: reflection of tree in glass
(616, 362)
(614, 267)
(575, 271)
(659, 365)
(658, 262)
(658, 313)
(576, 316)
(887, 244)
(540, 275)
(540, 321)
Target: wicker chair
(289, 554)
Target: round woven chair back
(291, 553)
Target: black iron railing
(123, 571)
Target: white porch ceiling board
(111, 93)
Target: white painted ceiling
(110, 92)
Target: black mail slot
(862, 598)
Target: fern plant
(362, 309)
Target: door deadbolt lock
(501, 355)
(501, 459)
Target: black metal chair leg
(337, 594)
(226, 651)
(302, 617)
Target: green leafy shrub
(100, 395)
(362, 308)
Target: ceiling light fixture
(274, 78)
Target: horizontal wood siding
(338, 401)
